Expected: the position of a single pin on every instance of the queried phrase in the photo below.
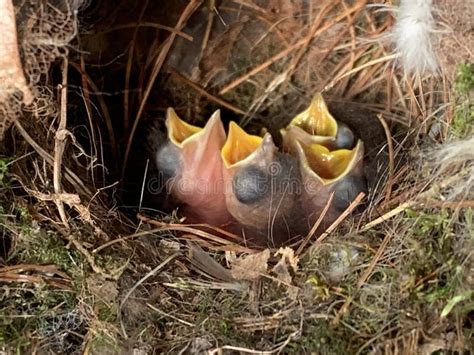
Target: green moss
(215, 311)
(37, 246)
(9, 334)
(34, 310)
(465, 79)
(103, 343)
(463, 120)
(106, 312)
(321, 337)
(4, 171)
(438, 262)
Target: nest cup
(86, 212)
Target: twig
(309, 37)
(287, 51)
(170, 316)
(355, 70)
(102, 104)
(90, 259)
(391, 160)
(388, 215)
(343, 215)
(191, 229)
(144, 24)
(395, 78)
(210, 22)
(60, 144)
(447, 204)
(316, 225)
(70, 176)
(167, 226)
(143, 184)
(238, 349)
(142, 280)
(128, 70)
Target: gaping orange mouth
(329, 166)
(316, 119)
(178, 130)
(239, 145)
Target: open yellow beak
(197, 182)
(316, 119)
(179, 131)
(328, 166)
(239, 145)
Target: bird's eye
(250, 185)
(345, 138)
(347, 190)
(168, 160)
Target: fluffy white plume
(412, 36)
(458, 154)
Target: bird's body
(192, 168)
(328, 160)
(245, 184)
(323, 173)
(261, 185)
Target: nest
(96, 79)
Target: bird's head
(316, 125)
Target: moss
(323, 338)
(216, 310)
(463, 120)
(31, 311)
(465, 79)
(37, 246)
(17, 341)
(102, 343)
(4, 171)
(106, 312)
(439, 258)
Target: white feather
(455, 156)
(412, 36)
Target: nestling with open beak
(315, 125)
(329, 161)
(190, 162)
(262, 186)
(242, 183)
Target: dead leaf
(204, 262)
(105, 290)
(170, 246)
(251, 267)
(287, 260)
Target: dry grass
(81, 272)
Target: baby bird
(244, 184)
(262, 186)
(190, 163)
(328, 160)
(315, 125)
(323, 172)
